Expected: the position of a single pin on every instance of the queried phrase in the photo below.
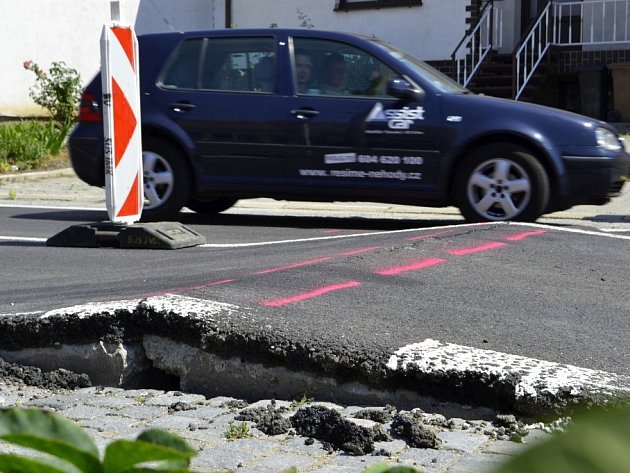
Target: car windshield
(424, 70)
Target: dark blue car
(325, 116)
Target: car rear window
(223, 64)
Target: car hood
(532, 120)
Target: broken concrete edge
(212, 346)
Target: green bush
(58, 91)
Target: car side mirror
(401, 89)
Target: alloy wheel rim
(499, 189)
(158, 180)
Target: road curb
(36, 176)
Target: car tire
(209, 207)
(501, 182)
(167, 180)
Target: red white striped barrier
(121, 114)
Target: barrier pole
(121, 121)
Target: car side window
(225, 64)
(331, 68)
(182, 70)
(239, 65)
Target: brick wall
(571, 61)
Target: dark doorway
(529, 12)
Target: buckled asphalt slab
(190, 366)
(222, 349)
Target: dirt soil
(32, 376)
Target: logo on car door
(396, 118)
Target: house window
(346, 5)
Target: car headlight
(607, 139)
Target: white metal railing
(560, 23)
(532, 49)
(601, 22)
(477, 44)
(570, 23)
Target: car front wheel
(167, 180)
(501, 182)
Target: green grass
(235, 432)
(30, 144)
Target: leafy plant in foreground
(65, 444)
(597, 442)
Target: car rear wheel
(501, 182)
(213, 206)
(167, 180)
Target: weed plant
(23, 145)
(26, 144)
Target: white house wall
(430, 32)
(45, 31)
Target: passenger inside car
(334, 75)
(303, 70)
(264, 75)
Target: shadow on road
(609, 218)
(273, 221)
(62, 215)
(344, 223)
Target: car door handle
(182, 107)
(305, 113)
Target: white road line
(50, 207)
(28, 239)
(578, 231)
(408, 230)
(569, 230)
(336, 237)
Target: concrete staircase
(495, 78)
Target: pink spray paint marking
(309, 295)
(332, 231)
(360, 251)
(429, 235)
(204, 285)
(425, 263)
(522, 236)
(294, 265)
(316, 260)
(476, 249)
(179, 290)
